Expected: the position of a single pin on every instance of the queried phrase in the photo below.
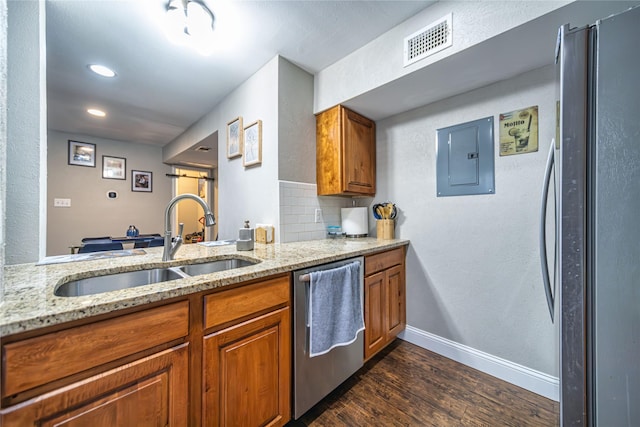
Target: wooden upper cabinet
(345, 153)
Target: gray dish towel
(335, 317)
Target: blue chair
(156, 241)
(104, 239)
(100, 247)
(142, 244)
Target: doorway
(190, 213)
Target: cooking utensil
(377, 211)
(386, 210)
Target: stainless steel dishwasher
(315, 377)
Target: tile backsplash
(298, 204)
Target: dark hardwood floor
(406, 385)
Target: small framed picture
(234, 138)
(114, 167)
(252, 144)
(82, 154)
(141, 181)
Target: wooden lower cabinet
(375, 338)
(247, 373)
(36, 361)
(152, 391)
(384, 300)
(145, 367)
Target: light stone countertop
(29, 302)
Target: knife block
(385, 229)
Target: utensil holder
(385, 229)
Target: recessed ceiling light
(95, 112)
(102, 70)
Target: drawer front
(227, 306)
(37, 361)
(383, 260)
(152, 391)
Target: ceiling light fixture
(190, 23)
(102, 70)
(96, 112)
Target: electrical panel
(465, 163)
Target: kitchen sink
(131, 279)
(214, 266)
(117, 281)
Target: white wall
(296, 124)
(243, 193)
(380, 61)
(3, 138)
(298, 204)
(26, 132)
(280, 94)
(91, 212)
(472, 267)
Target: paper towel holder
(355, 222)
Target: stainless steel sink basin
(131, 279)
(117, 281)
(214, 266)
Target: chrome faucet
(170, 248)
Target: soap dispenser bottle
(245, 238)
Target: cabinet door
(247, 373)
(396, 302)
(152, 391)
(329, 152)
(359, 159)
(374, 313)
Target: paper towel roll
(355, 222)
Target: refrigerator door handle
(543, 229)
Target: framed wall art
(114, 167)
(234, 138)
(252, 147)
(519, 131)
(82, 154)
(142, 181)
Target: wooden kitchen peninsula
(167, 353)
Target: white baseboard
(521, 376)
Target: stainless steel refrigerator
(598, 222)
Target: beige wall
(91, 212)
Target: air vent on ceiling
(203, 148)
(429, 40)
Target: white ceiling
(161, 89)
